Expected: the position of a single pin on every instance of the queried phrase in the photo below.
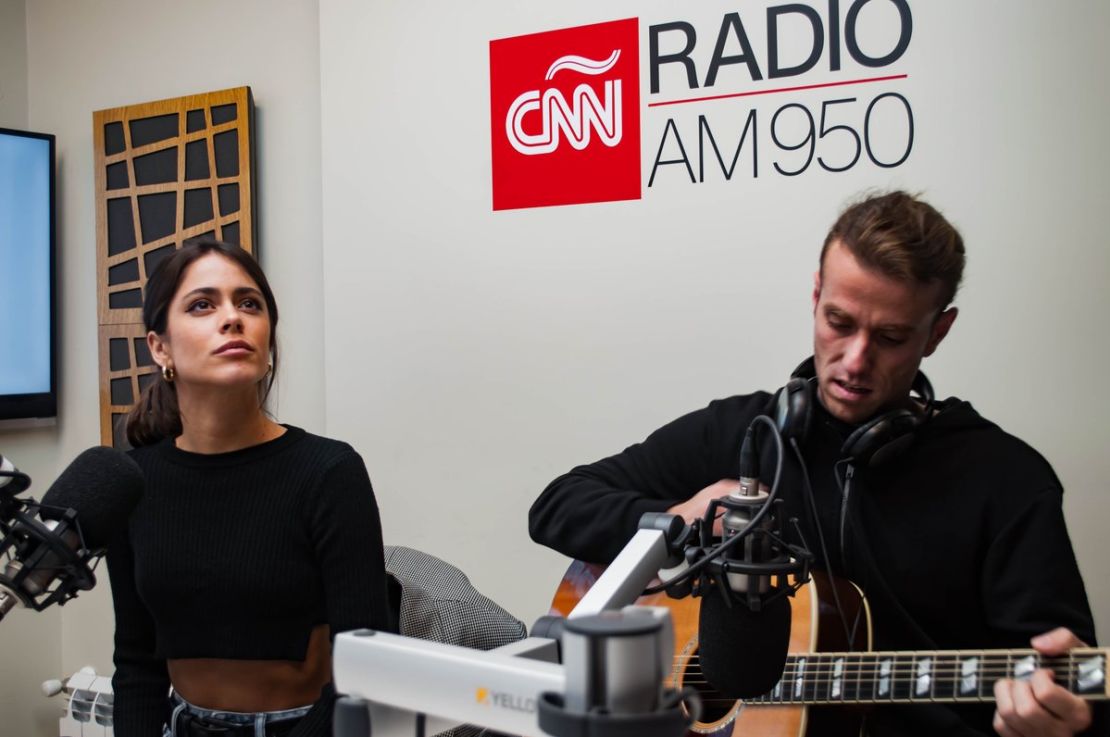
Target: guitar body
(815, 626)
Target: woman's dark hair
(156, 416)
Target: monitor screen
(27, 362)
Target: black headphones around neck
(872, 443)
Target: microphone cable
(725, 546)
(849, 630)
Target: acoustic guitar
(824, 669)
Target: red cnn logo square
(565, 116)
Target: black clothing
(958, 543)
(238, 556)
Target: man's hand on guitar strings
(1039, 706)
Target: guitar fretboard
(907, 677)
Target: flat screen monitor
(28, 361)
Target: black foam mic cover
(103, 486)
(742, 652)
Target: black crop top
(239, 555)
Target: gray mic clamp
(615, 662)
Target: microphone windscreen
(103, 486)
(742, 652)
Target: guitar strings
(826, 662)
(952, 673)
(868, 658)
(944, 674)
(935, 676)
(811, 695)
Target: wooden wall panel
(166, 171)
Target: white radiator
(88, 704)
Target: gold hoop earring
(168, 374)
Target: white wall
(13, 64)
(88, 56)
(29, 641)
(474, 355)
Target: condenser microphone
(743, 652)
(743, 507)
(45, 551)
(744, 619)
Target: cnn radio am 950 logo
(791, 89)
(565, 116)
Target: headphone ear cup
(883, 438)
(794, 409)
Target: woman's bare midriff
(255, 685)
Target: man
(958, 541)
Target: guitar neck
(928, 676)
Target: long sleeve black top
(239, 555)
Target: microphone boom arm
(396, 685)
(656, 545)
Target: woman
(254, 544)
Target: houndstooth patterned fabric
(438, 603)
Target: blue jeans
(259, 719)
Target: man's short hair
(903, 237)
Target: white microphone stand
(615, 658)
